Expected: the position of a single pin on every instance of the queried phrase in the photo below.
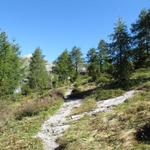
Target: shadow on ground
(75, 95)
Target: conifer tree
(103, 55)
(9, 66)
(38, 76)
(93, 63)
(120, 48)
(63, 67)
(77, 60)
(141, 38)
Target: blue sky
(55, 25)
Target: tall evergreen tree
(141, 38)
(9, 66)
(120, 47)
(63, 66)
(77, 60)
(103, 56)
(93, 63)
(38, 76)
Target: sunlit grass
(20, 134)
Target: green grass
(125, 127)
(141, 73)
(139, 77)
(121, 128)
(87, 105)
(19, 134)
(103, 94)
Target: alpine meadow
(85, 99)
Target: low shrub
(31, 108)
(103, 79)
(25, 90)
(34, 107)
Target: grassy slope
(125, 127)
(19, 134)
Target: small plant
(103, 79)
(34, 107)
(25, 90)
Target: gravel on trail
(57, 124)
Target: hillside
(85, 99)
(123, 126)
(21, 120)
(126, 126)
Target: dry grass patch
(19, 134)
(87, 105)
(117, 129)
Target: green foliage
(77, 60)
(103, 54)
(141, 73)
(120, 47)
(139, 77)
(82, 80)
(25, 90)
(93, 63)
(9, 66)
(141, 38)
(38, 76)
(103, 79)
(63, 67)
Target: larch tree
(77, 60)
(103, 54)
(63, 67)
(9, 66)
(38, 76)
(93, 63)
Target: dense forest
(28, 88)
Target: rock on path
(55, 126)
(104, 105)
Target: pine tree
(120, 47)
(63, 67)
(93, 63)
(103, 56)
(38, 76)
(77, 60)
(141, 38)
(9, 66)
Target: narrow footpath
(57, 124)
